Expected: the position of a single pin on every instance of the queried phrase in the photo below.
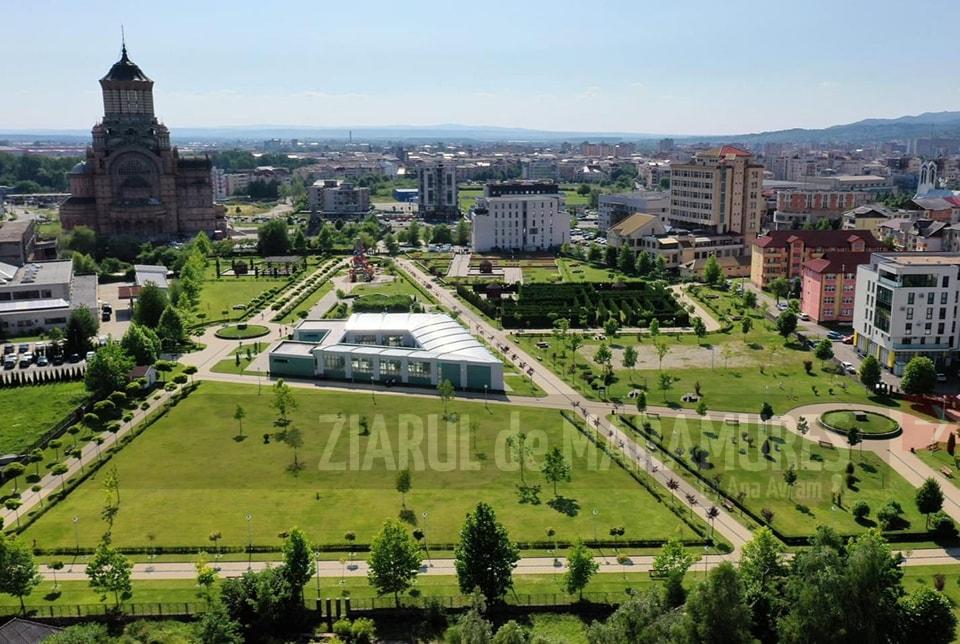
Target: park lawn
(940, 458)
(574, 270)
(398, 286)
(219, 296)
(846, 420)
(188, 468)
(743, 468)
(27, 412)
(230, 365)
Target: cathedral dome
(125, 70)
(80, 168)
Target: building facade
(796, 208)
(437, 194)
(520, 216)
(906, 306)
(17, 241)
(132, 182)
(40, 296)
(338, 198)
(614, 208)
(720, 190)
(782, 253)
(828, 286)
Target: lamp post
(316, 555)
(426, 546)
(249, 541)
(485, 396)
(76, 532)
(593, 515)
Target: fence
(132, 609)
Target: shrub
(180, 379)
(861, 510)
(363, 631)
(341, 628)
(942, 525)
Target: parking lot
(27, 357)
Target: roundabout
(871, 425)
(242, 331)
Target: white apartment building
(540, 169)
(906, 306)
(614, 208)
(520, 216)
(219, 183)
(438, 196)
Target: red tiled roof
(838, 262)
(725, 151)
(817, 238)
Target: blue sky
(639, 66)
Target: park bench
(826, 444)
(946, 471)
(727, 505)
(732, 421)
(933, 447)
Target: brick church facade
(132, 181)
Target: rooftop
(633, 223)
(816, 238)
(12, 231)
(38, 273)
(838, 262)
(150, 273)
(125, 70)
(920, 259)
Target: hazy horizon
(697, 69)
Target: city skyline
(699, 69)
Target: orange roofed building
(782, 253)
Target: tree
(403, 485)
(391, 244)
(520, 451)
(745, 325)
(283, 401)
(238, 415)
(853, 438)
(860, 510)
(445, 390)
(919, 376)
(766, 411)
(712, 273)
(662, 350)
(216, 627)
(929, 498)
(702, 408)
(610, 256)
(823, 351)
(641, 401)
(780, 287)
(299, 241)
(786, 323)
(603, 356)
(555, 468)
(293, 438)
(511, 633)
(763, 572)
(107, 370)
(749, 299)
(630, 357)
(870, 372)
(672, 563)
(717, 611)
(625, 261)
(580, 568)
(643, 264)
(141, 344)
(928, 617)
(81, 326)
(109, 571)
(19, 573)
(699, 329)
(273, 238)
(260, 601)
(83, 264)
(440, 234)
(151, 303)
(462, 235)
(485, 557)
(171, 328)
(611, 326)
(394, 560)
(889, 514)
(666, 382)
(654, 328)
(14, 471)
(790, 478)
(298, 564)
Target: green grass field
(27, 412)
(846, 420)
(189, 468)
(398, 286)
(744, 467)
(218, 297)
(308, 303)
(229, 365)
(938, 459)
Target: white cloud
(591, 92)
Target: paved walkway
(709, 322)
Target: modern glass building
(420, 349)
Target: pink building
(829, 284)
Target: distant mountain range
(873, 130)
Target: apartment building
(520, 216)
(539, 169)
(437, 190)
(906, 306)
(614, 208)
(782, 253)
(337, 198)
(828, 286)
(797, 208)
(718, 189)
(868, 217)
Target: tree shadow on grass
(563, 505)
(52, 596)
(239, 439)
(408, 516)
(295, 468)
(866, 522)
(869, 468)
(529, 494)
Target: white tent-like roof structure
(433, 333)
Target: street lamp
(485, 396)
(594, 514)
(426, 546)
(249, 540)
(76, 532)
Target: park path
(558, 390)
(709, 321)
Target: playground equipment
(361, 270)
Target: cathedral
(132, 182)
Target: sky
(690, 67)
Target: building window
(418, 368)
(361, 365)
(389, 368)
(334, 362)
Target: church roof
(125, 70)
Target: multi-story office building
(520, 216)
(615, 208)
(539, 169)
(906, 306)
(781, 253)
(438, 190)
(719, 189)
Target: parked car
(804, 317)
(941, 377)
(42, 361)
(8, 349)
(24, 348)
(783, 306)
(835, 335)
(105, 316)
(848, 339)
(848, 367)
(9, 362)
(57, 359)
(89, 355)
(74, 357)
(26, 360)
